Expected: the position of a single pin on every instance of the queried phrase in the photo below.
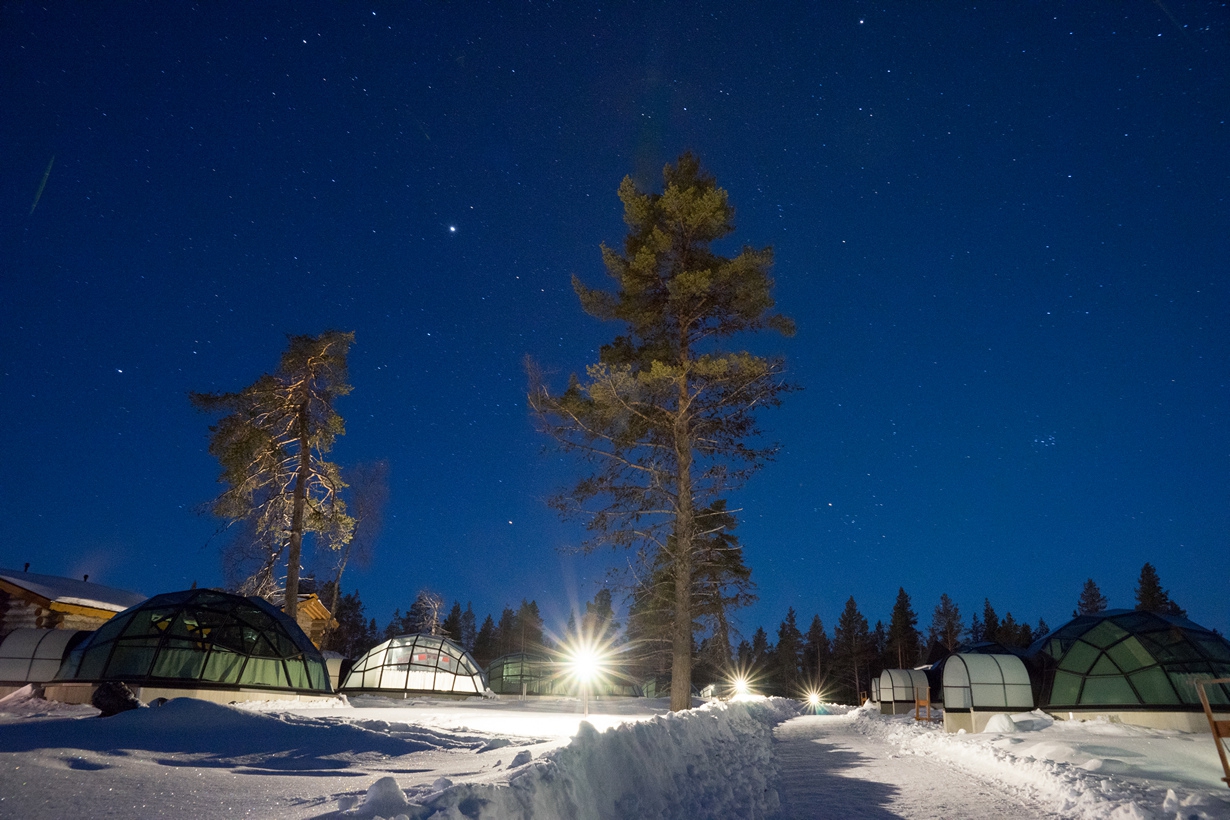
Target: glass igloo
(415, 665)
(200, 639)
(1126, 661)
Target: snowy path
(829, 770)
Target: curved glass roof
(981, 682)
(899, 685)
(34, 655)
(539, 674)
(200, 638)
(1132, 660)
(415, 664)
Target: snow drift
(715, 761)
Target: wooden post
(922, 698)
(1220, 728)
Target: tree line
(840, 666)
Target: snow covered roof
(55, 589)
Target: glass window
(132, 658)
(223, 666)
(1130, 655)
(1108, 691)
(1104, 634)
(179, 659)
(1079, 658)
(1104, 666)
(1154, 686)
(264, 672)
(1066, 689)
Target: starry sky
(1002, 229)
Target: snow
(72, 591)
(542, 758)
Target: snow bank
(715, 761)
(1081, 791)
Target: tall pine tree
(817, 653)
(903, 633)
(271, 444)
(787, 656)
(852, 645)
(667, 416)
(946, 624)
(1091, 600)
(1150, 597)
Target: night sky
(1003, 231)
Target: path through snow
(829, 770)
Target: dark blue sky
(1003, 231)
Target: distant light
(813, 699)
(740, 685)
(452, 229)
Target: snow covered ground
(541, 759)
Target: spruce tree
(667, 416)
(817, 653)
(902, 633)
(506, 632)
(787, 655)
(271, 444)
(528, 628)
(946, 624)
(990, 621)
(486, 643)
(451, 625)
(352, 635)
(1150, 597)
(852, 644)
(469, 628)
(1091, 600)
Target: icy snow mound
(1074, 791)
(715, 761)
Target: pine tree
(879, 659)
(271, 444)
(721, 583)
(354, 634)
(817, 653)
(1150, 597)
(787, 655)
(902, 633)
(1012, 634)
(760, 648)
(667, 417)
(599, 620)
(946, 624)
(528, 628)
(852, 644)
(1041, 629)
(506, 632)
(451, 625)
(977, 631)
(486, 643)
(1091, 600)
(469, 628)
(990, 621)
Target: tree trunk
(291, 599)
(685, 531)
